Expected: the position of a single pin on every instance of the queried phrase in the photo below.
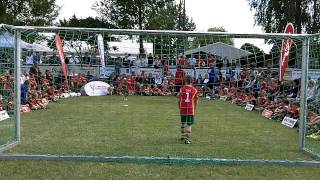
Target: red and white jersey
(188, 96)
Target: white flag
(101, 50)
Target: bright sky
(234, 15)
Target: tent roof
(221, 49)
(129, 47)
(7, 41)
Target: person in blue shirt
(212, 77)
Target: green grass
(78, 171)
(7, 131)
(149, 126)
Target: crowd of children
(258, 87)
(37, 89)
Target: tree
(258, 57)
(210, 39)
(89, 22)
(129, 14)
(273, 15)
(28, 12)
(251, 48)
(166, 19)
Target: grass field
(149, 126)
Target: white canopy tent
(221, 49)
(7, 40)
(128, 47)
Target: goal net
(258, 93)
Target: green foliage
(128, 14)
(28, 12)
(89, 22)
(273, 15)
(206, 40)
(251, 48)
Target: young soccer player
(188, 100)
(125, 88)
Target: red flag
(285, 51)
(61, 56)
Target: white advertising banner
(4, 115)
(311, 74)
(96, 88)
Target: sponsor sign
(249, 107)
(289, 122)
(4, 115)
(61, 56)
(96, 88)
(285, 51)
(267, 114)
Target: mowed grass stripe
(149, 126)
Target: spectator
(219, 63)
(211, 61)
(36, 58)
(54, 59)
(311, 90)
(137, 65)
(131, 60)
(118, 66)
(158, 80)
(74, 60)
(199, 80)
(89, 77)
(144, 61)
(157, 63)
(181, 62)
(192, 61)
(29, 59)
(87, 58)
(44, 58)
(179, 78)
(213, 76)
(150, 59)
(150, 80)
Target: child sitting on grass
(313, 125)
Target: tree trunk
(140, 19)
(315, 17)
(298, 16)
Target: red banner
(61, 56)
(285, 50)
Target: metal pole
(303, 96)
(17, 89)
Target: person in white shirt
(311, 90)
(29, 59)
(144, 61)
(157, 63)
(158, 79)
(137, 65)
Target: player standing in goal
(125, 88)
(188, 100)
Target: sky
(234, 15)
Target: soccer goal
(111, 95)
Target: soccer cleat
(187, 141)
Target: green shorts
(187, 120)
